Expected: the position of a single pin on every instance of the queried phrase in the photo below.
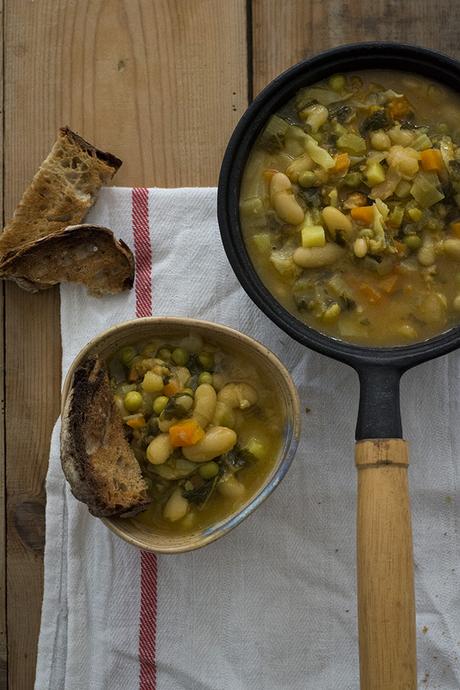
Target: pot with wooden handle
(386, 609)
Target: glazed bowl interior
(268, 366)
(347, 58)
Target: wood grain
(285, 32)
(386, 605)
(159, 83)
(3, 639)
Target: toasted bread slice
(87, 254)
(61, 192)
(97, 460)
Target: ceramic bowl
(268, 365)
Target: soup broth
(204, 425)
(350, 207)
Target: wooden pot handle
(386, 607)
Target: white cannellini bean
(360, 247)
(433, 309)
(223, 415)
(230, 487)
(426, 255)
(176, 507)
(241, 395)
(380, 141)
(283, 200)
(159, 450)
(452, 248)
(183, 374)
(315, 257)
(298, 166)
(218, 440)
(336, 221)
(205, 404)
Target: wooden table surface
(161, 83)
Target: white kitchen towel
(271, 606)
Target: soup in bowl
(211, 417)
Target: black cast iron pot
(386, 610)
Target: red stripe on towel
(143, 252)
(148, 622)
(149, 569)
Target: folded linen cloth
(271, 605)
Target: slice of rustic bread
(87, 254)
(97, 460)
(61, 192)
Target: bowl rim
(403, 57)
(221, 528)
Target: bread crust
(96, 458)
(61, 192)
(88, 254)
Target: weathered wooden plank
(286, 32)
(159, 83)
(3, 636)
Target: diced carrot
(172, 387)
(185, 433)
(268, 174)
(136, 421)
(455, 227)
(133, 375)
(371, 294)
(389, 284)
(342, 163)
(431, 160)
(363, 214)
(399, 108)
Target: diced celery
(274, 133)
(403, 189)
(375, 173)
(415, 214)
(396, 216)
(422, 141)
(425, 189)
(262, 243)
(351, 143)
(252, 207)
(332, 313)
(333, 197)
(313, 236)
(283, 262)
(257, 448)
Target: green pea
(413, 242)
(337, 82)
(208, 470)
(149, 350)
(164, 353)
(205, 377)
(180, 356)
(206, 359)
(159, 404)
(132, 401)
(127, 355)
(307, 178)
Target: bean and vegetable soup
(204, 427)
(350, 207)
